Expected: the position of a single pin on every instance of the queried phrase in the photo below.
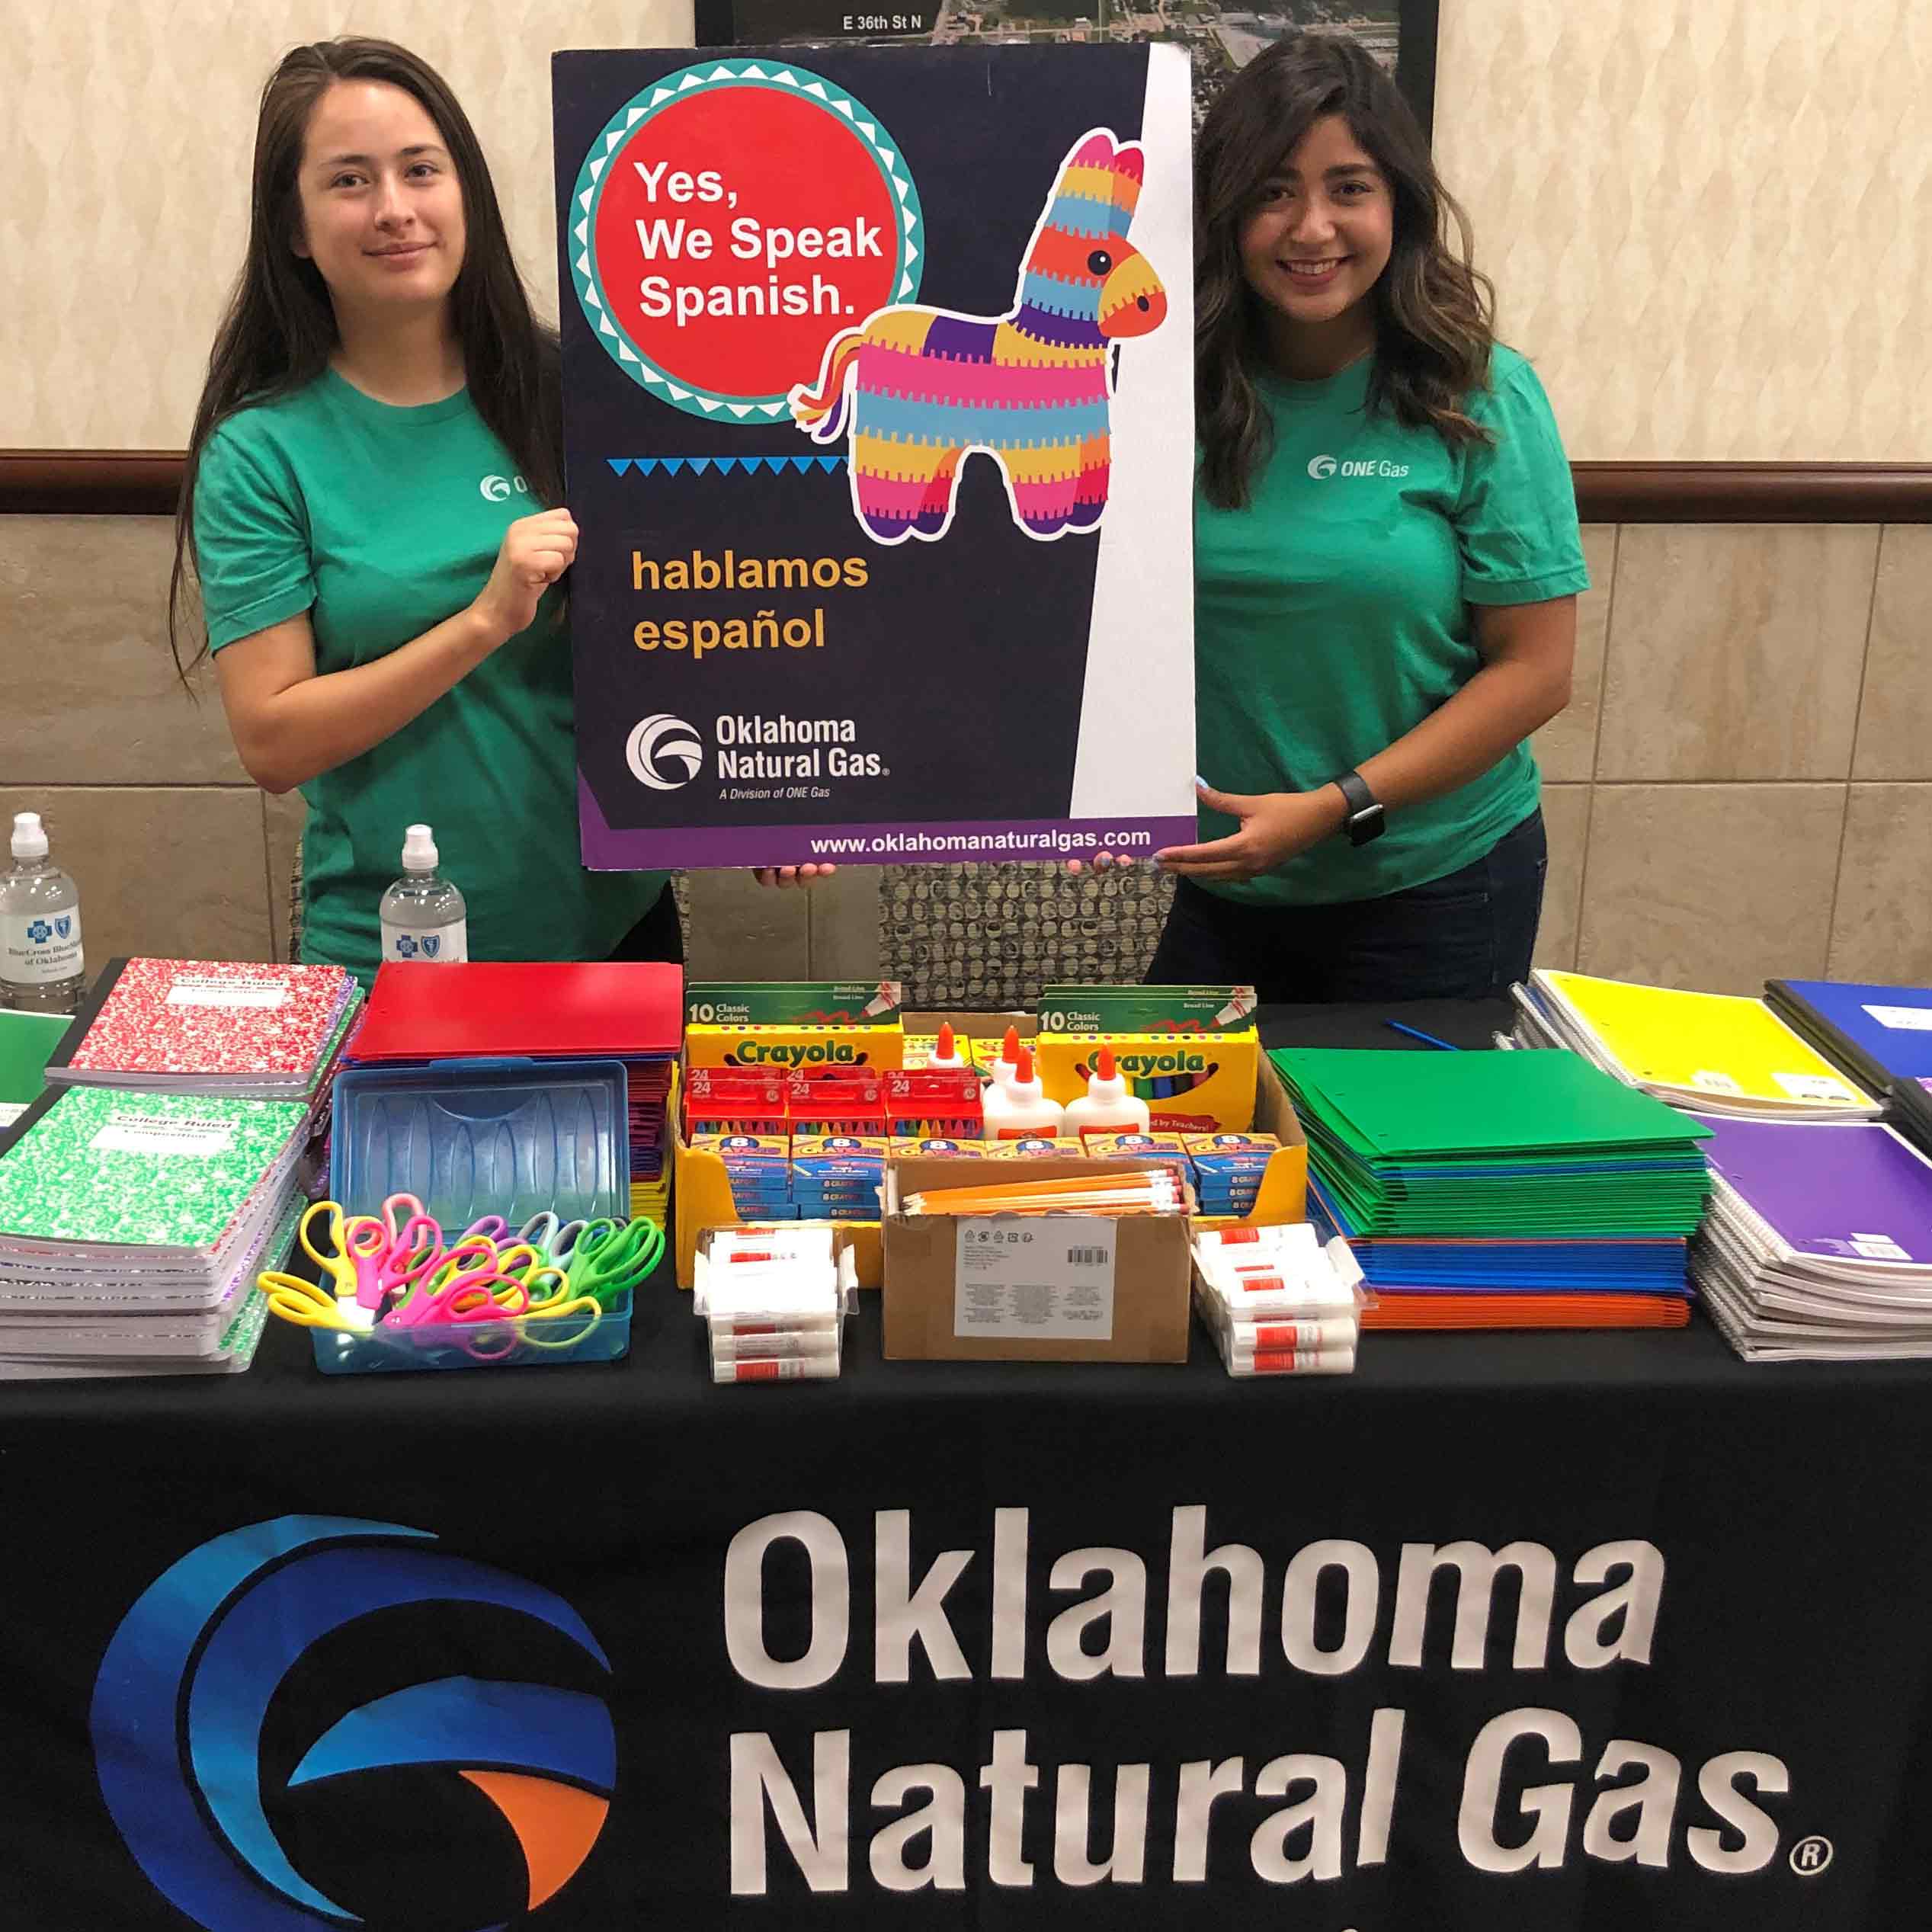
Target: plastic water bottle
(423, 915)
(41, 967)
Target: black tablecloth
(810, 1611)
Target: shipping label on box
(876, 356)
(1046, 1277)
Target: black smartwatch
(1365, 817)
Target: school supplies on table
(238, 1027)
(1283, 1302)
(1716, 1053)
(1819, 1246)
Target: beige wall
(1709, 221)
(125, 147)
(1742, 787)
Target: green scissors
(610, 1258)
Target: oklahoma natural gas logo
(188, 1678)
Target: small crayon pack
(718, 1101)
(836, 1103)
(912, 1147)
(935, 1102)
(1140, 1148)
(1033, 1147)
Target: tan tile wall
(1741, 786)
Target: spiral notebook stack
(1716, 1053)
(237, 1027)
(1880, 1036)
(133, 1226)
(1500, 1189)
(1818, 1247)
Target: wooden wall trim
(147, 483)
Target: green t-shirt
(380, 522)
(1331, 616)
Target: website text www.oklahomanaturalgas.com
(963, 844)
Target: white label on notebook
(1046, 1278)
(142, 1133)
(1878, 1247)
(225, 992)
(11, 1111)
(1904, 1019)
(1813, 1087)
(1715, 1082)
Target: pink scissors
(477, 1292)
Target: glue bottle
(1019, 1107)
(1007, 1067)
(1107, 1108)
(946, 1056)
(423, 915)
(41, 966)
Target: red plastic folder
(1526, 1311)
(421, 1011)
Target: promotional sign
(878, 402)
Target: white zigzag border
(615, 343)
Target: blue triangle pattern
(778, 465)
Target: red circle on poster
(738, 232)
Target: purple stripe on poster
(608, 849)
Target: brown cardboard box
(1149, 1314)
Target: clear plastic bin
(470, 1138)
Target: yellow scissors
(311, 1304)
(354, 1247)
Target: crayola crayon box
(1190, 1053)
(791, 1027)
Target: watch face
(1366, 824)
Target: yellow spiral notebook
(1724, 1052)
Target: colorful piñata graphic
(917, 389)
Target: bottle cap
(30, 836)
(1023, 1067)
(1009, 1050)
(418, 850)
(947, 1050)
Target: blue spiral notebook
(1880, 1035)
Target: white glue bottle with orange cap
(1017, 1108)
(1007, 1067)
(1106, 1107)
(945, 1057)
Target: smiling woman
(372, 508)
(1386, 562)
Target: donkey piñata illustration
(925, 387)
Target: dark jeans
(1461, 938)
(656, 936)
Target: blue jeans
(1464, 937)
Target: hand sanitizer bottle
(42, 969)
(423, 915)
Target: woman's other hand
(791, 875)
(1275, 828)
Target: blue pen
(1427, 1039)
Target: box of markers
(1191, 1052)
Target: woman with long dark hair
(373, 508)
(1386, 562)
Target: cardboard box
(1145, 1312)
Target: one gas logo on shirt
(496, 488)
(1322, 468)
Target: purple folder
(1850, 1191)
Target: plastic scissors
(311, 1304)
(610, 1258)
(356, 1245)
(488, 1227)
(480, 1293)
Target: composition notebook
(1721, 1052)
(159, 1171)
(207, 1026)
